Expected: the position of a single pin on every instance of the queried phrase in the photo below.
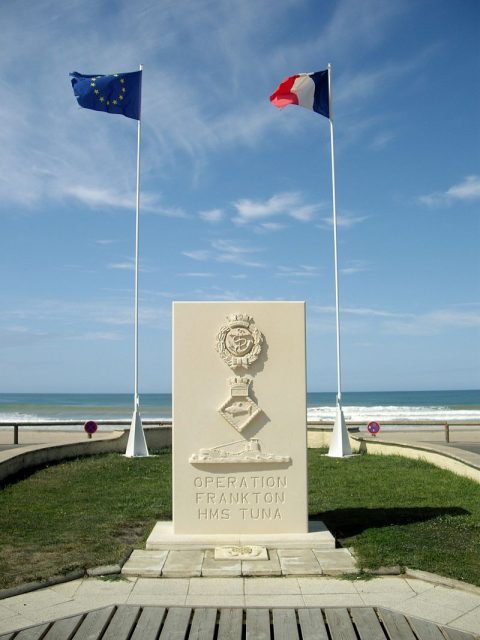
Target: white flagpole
(137, 445)
(340, 443)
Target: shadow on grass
(345, 523)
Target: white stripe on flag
(304, 87)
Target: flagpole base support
(136, 445)
(340, 442)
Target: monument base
(318, 537)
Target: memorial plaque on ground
(239, 418)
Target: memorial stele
(239, 418)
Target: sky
(236, 195)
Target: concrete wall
(14, 461)
(416, 453)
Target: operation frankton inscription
(244, 497)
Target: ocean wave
(14, 416)
(400, 413)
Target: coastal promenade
(461, 438)
(463, 445)
(461, 454)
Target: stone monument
(239, 431)
(239, 418)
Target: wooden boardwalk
(128, 622)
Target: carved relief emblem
(239, 410)
(239, 342)
(239, 452)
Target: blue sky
(236, 195)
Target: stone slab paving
(214, 568)
(440, 604)
(147, 564)
(191, 563)
(335, 563)
(270, 567)
(183, 564)
(300, 562)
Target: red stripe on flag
(282, 96)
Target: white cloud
(127, 266)
(355, 266)
(381, 140)
(19, 336)
(115, 311)
(94, 197)
(434, 322)
(469, 189)
(281, 204)
(360, 311)
(197, 274)
(304, 212)
(212, 215)
(94, 336)
(415, 324)
(272, 226)
(228, 251)
(168, 212)
(101, 197)
(343, 221)
(197, 254)
(233, 247)
(465, 191)
(302, 271)
(216, 293)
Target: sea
(461, 406)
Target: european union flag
(117, 93)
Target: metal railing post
(15, 434)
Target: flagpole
(137, 445)
(340, 443)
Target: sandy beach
(28, 437)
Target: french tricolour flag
(309, 90)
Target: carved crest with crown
(239, 342)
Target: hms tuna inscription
(243, 497)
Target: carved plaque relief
(241, 451)
(239, 410)
(239, 342)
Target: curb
(34, 586)
(394, 570)
(77, 574)
(423, 448)
(440, 580)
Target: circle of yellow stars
(101, 98)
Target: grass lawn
(393, 510)
(88, 512)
